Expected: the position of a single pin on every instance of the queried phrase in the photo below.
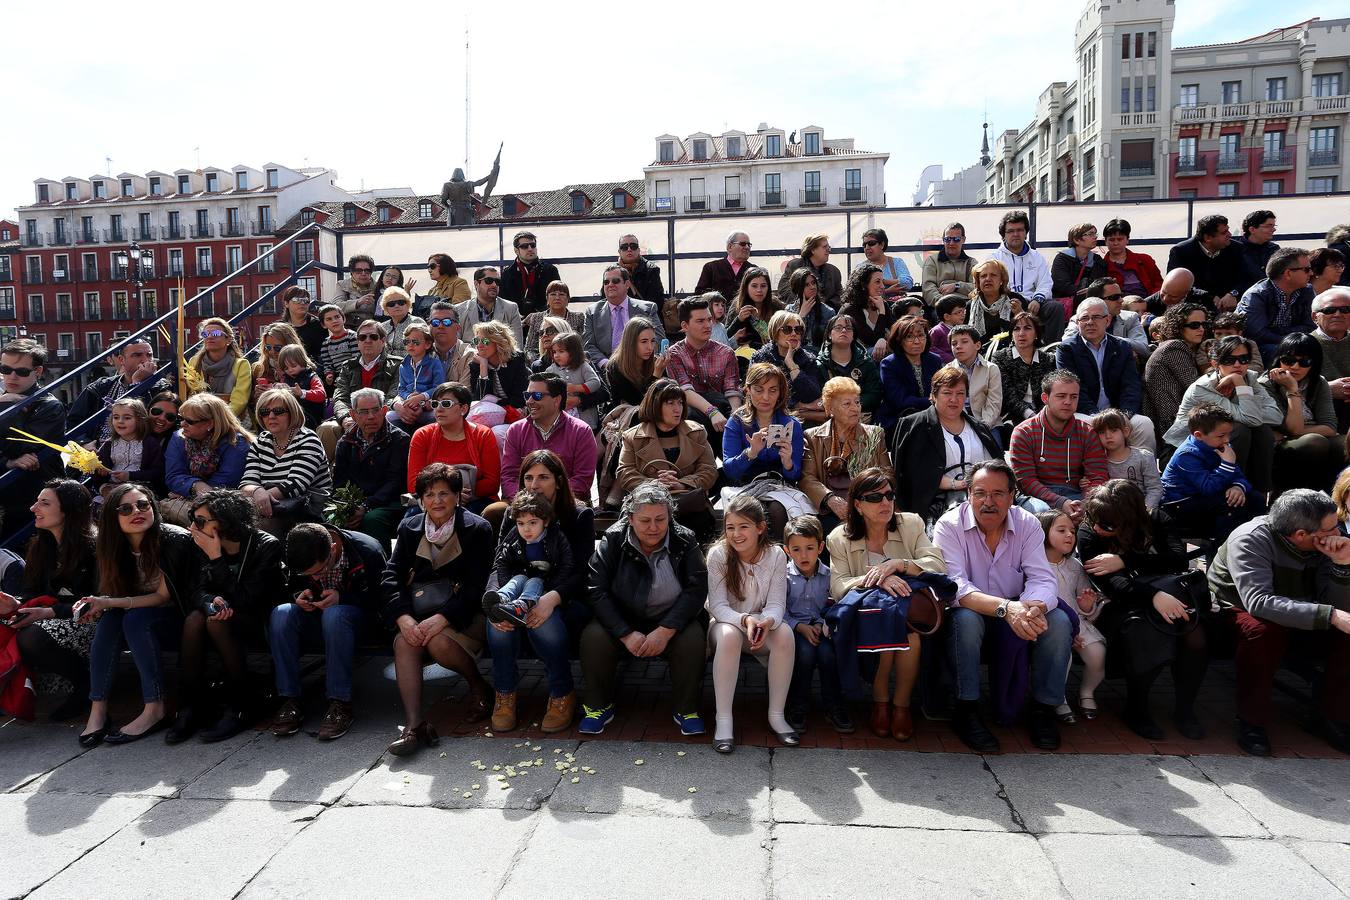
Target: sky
(575, 92)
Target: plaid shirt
(331, 578)
(710, 370)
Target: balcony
(1193, 165)
(31, 239)
(1279, 107)
(58, 239)
(32, 277)
(1136, 170)
(811, 197)
(115, 235)
(1324, 157)
(1282, 158)
(1339, 103)
(87, 237)
(62, 276)
(173, 233)
(65, 315)
(696, 203)
(663, 204)
(1089, 178)
(90, 273)
(852, 196)
(6, 275)
(772, 199)
(1066, 145)
(202, 270)
(203, 230)
(1259, 109)
(1138, 119)
(1231, 163)
(232, 229)
(265, 229)
(175, 270)
(731, 202)
(149, 233)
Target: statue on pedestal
(457, 194)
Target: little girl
(1075, 589)
(569, 362)
(338, 347)
(419, 374)
(1123, 461)
(719, 311)
(297, 373)
(133, 453)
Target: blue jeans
(1050, 654)
(808, 659)
(145, 630)
(335, 627)
(522, 587)
(549, 640)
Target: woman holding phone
(762, 448)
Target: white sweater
(764, 583)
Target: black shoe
(1189, 726)
(184, 726)
(1337, 734)
(970, 727)
(77, 704)
(1043, 727)
(796, 719)
(840, 720)
(231, 722)
(1253, 739)
(1142, 724)
(119, 736)
(94, 738)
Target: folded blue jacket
(872, 621)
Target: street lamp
(137, 265)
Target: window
(65, 309)
(1275, 88)
(811, 143)
(667, 151)
(100, 190)
(241, 181)
(1323, 146)
(149, 304)
(1272, 144)
(203, 260)
(773, 189)
(1228, 188)
(268, 263)
(578, 203)
(65, 345)
(1323, 185)
(853, 192)
(89, 267)
(1232, 92)
(93, 343)
(61, 268)
(1138, 45)
(72, 191)
(6, 302)
(1228, 147)
(1186, 152)
(273, 180)
(235, 299)
(1138, 95)
(59, 230)
(664, 202)
(310, 283)
(731, 192)
(423, 210)
(234, 258)
(212, 182)
(1136, 158)
(233, 225)
(203, 223)
(306, 217)
(509, 206)
(5, 273)
(700, 149)
(1152, 44)
(127, 187)
(270, 304)
(811, 188)
(1125, 46)
(349, 215)
(734, 146)
(93, 306)
(1124, 95)
(304, 253)
(34, 264)
(1151, 95)
(620, 199)
(773, 145)
(184, 184)
(37, 312)
(42, 195)
(118, 272)
(115, 228)
(144, 226)
(206, 306)
(156, 187)
(175, 262)
(175, 225)
(1272, 187)
(698, 199)
(383, 214)
(1327, 85)
(41, 338)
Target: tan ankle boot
(558, 716)
(504, 712)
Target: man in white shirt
(1029, 274)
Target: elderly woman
(841, 356)
(500, 369)
(397, 305)
(208, 451)
(814, 313)
(864, 302)
(992, 305)
(433, 589)
(875, 548)
(815, 256)
(460, 444)
(785, 350)
(1136, 273)
(838, 450)
(1179, 359)
(222, 366)
(557, 297)
(666, 447)
(286, 474)
(1077, 266)
(647, 586)
(907, 373)
(1308, 451)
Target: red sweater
(479, 448)
(1144, 268)
(1042, 457)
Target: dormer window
(42, 194)
(620, 199)
(578, 203)
(424, 209)
(273, 180)
(241, 181)
(700, 149)
(212, 183)
(773, 145)
(811, 143)
(184, 184)
(72, 191)
(667, 153)
(349, 215)
(509, 206)
(307, 217)
(100, 190)
(384, 214)
(733, 147)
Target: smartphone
(77, 611)
(19, 616)
(665, 345)
(776, 434)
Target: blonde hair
(395, 291)
(216, 322)
(501, 337)
(223, 420)
(288, 336)
(781, 318)
(840, 384)
(1340, 493)
(294, 412)
(986, 266)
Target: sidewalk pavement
(519, 815)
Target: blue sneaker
(593, 721)
(691, 724)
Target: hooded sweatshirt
(1043, 457)
(1028, 273)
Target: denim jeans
(549, 640)
(522, 587)
(808, 659)
(1050, 653)
(144, 630)
(335, 628)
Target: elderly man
(1028, 273)
(526, 279)
(1218, 265)
(1256, 246)
(356, 294)
(1287, 577)
(606, 318)
(1178, 286)
(546, 428)
(724, 275)
(1125, 323)
(1281, 303)
(448, 344)
(373, 458)
(648, 583)
(1106, 370)
(948, 271)
(1331, 312)
(1055, 454)
(487, 306)
(135, 378)
(1005, 589)
(705, 369)
(372, 367)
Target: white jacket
(986, 391)
(1028, 274)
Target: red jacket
(17, 697)
(1143, 267)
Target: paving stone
(297, 768)
(1301, 798)
(150, 767)
(1331, 860)
(28, 750)
(47, 832)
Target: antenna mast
(467, 88)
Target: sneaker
(504, 712)
(593, 721)
(336, 721)
(691, 724)
(288, 719)
(840, 720)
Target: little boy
(1203, 488)
(532, 557)
(984, 397)
(1122, 460)
(808, 593)
(338, 346)
(951, 309)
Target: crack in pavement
(1002, 794)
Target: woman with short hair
(538, 344)
(838, 450)
(667, 447)
(785, 350)
(815, 256)
(286, 474)
(499, 370)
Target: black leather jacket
(621, 579)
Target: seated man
(1125, 323)
(373, 458)
(1281, 303)
(607, 317)
(22, 362)
(1107, 372)
(1055, 454)
(705, 369)
(1216, 263)
(1178, 286)
(648, 583)
(1287, 577)
(448, 344)
(372, 367)
(335, 579)
(1005, 588)
(135, 377)
(547, 428)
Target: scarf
(1000, 309)
(219, 375)
(202, 460)
(440, 535)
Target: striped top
(334, 353)
(302, 469)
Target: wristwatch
(1002, 611)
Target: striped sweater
(301, 469)
(335, 352)
(1042, 457)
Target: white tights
(729, 642)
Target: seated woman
(1023, 367)
(462, 445)
(433, 588)
(1308, 452)
(222, 367)
(747, 599)
(163, 410)
(907, 373)
(636, 365)
(816, 315)
(208, 451)
(132, 453)
(751, 309)
(61, 565)
(992, 303)
(241, 579)
(814, 258)
(838, 450)
(147, 577)
(864, 301)
(1234, 387)
(267, 371)
(668, 448)
(762, 448)
(557, 296)
(286, 474)
(499, 370)
(1131, 557)
(875, 549)
(842, 356)
(1179, 359)
(936, 449)
(1076, 266)
(784, 349)
(397, 305)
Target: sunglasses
(1303, 361)
(482, 342)
(265, 412)
(200, 522)
(389, 303)
(213, 333)
(549, 332)
(432, 265)
(126, 509)
(536, 396)
(1102, 526)
(369, 337)
(952, 240)
(361, 271)
(443, 404)
(793, 329)
(613, 281)
(21, 371)
(443, 323)
(1236, 360)
(877, 496)
(1194, 325)
(871, 243)
(273, 348)
(186, 421)
(1335, 310)
(628, 246)
(488, 279)
(165, 414)
(525, 245)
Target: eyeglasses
(628, 246)
(1091, 318)
(1236, 360)
(273, 348)
(165, 414)
(877, 496)
(746, 244)
(361, 271)
(444, 404)
(793, 329)
(366, 410)
(1334, 311)
(1194, 325)
(21, 371)
(213, 333)
(1299, 269)
(996, 496)
(443, 323)
(369, 337)
(390, 303)
(871, 243)
(126, 509)
(613, 281)
(488, 279)
(548, 332)
(952, 240)
(525, 245)
(536, 396)
(265, 412)
(482, 342)
(186, 421)
(199, 522)
(1302, 361)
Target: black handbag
(429, 597)
(1191, 588)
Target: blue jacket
(1124, 390)
(900, 395)
(1197, 470)
(1261, 303)
(429, 373)
(741, 469)
(872, 621)
(229, 467)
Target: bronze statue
(457, 193)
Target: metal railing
(811, 197)
(697, 203)
(30, 239)
(203, 231)
(1136, 170)
(232, 229)
(1324, 157)
(58, 239)
(732, 201)
(1192, 165)
(87, 237)
(1231, 162)
(849, 195)
(174, 233)
(772, 199)
(1277, 159)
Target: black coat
(180, 561)
(647, 283)
(1069, 277)
(44, 417)
(362, 584)
(94, 399)
(561, 575)
(514, 378)
(513, 286)
(251, 581)
(621, 578)
(1224, 274)
(466, 573)
(380, 470)
(920, 457)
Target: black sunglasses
(871, 243)
(443, 323)
(1242, 360)
(1303, 361)
(164, 413)
(525, 245)
(793, 329)
(200, 522)
(126, 509)
(488, 279)
(21, 371)
(1334, 311)
(266, 411)
(628, 246)
(389, 303)
(1194, 325)
(361, 271)
(369, 337)
(876, 496)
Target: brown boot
(558, 716)
(881, 718)
(902, 723)
(504, 712)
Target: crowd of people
(883, 480)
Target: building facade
(965, 188)
(769, 169)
